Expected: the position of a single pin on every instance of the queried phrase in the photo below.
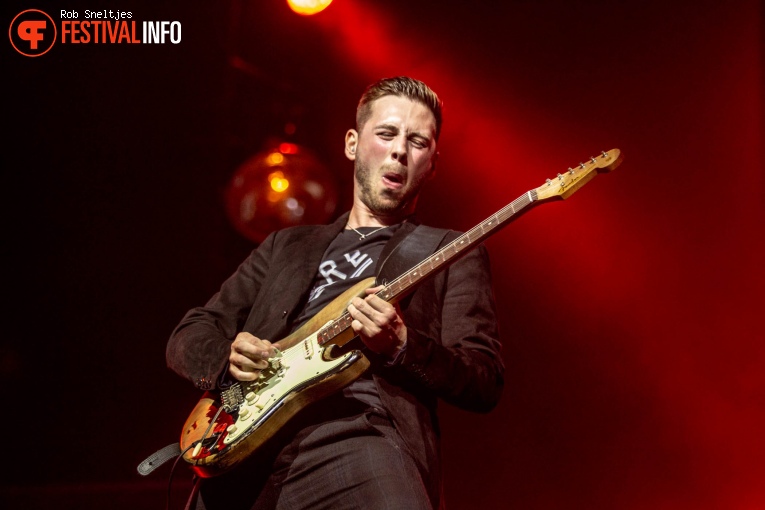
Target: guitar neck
(557, 188)
(453, 251)
(440, 260)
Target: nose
(399, 150)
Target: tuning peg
(605, 155)
(571, 170)
(593, 159)
(560, 177)
(581, 165)
(548, 181)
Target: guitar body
(305, 371)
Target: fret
(492, 222)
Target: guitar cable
(195, 444)
(173, 450)
(168, 496)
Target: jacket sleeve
(199, 346)
(463, 366)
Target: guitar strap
(158, 458)
(416, 247)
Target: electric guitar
(227, 427)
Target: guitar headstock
(564, 185)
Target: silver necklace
(364, 236)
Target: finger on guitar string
(378, 324)
(379, 311)
(244, 371)
(366, 320)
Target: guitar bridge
(232, 398)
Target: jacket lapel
(311, 248)
(400, 234)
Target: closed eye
(420, 143)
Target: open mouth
(393, 180)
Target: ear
(351, 143)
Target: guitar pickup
(307, 349)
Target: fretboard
(439, 261)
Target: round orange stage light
(283, 186)
(308, 7)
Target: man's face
(394, 154)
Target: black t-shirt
(349, 259)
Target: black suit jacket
(452, 349)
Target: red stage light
(288, 148)
(308, 7)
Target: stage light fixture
(282, 186)
(308, 7)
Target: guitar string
(299, 349)
(515, 206)
(499, 217)
(521, 202)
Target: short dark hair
(401, 86)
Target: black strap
(158, 458)
(415, 248)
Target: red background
(630, 313)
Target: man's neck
(363, 217)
